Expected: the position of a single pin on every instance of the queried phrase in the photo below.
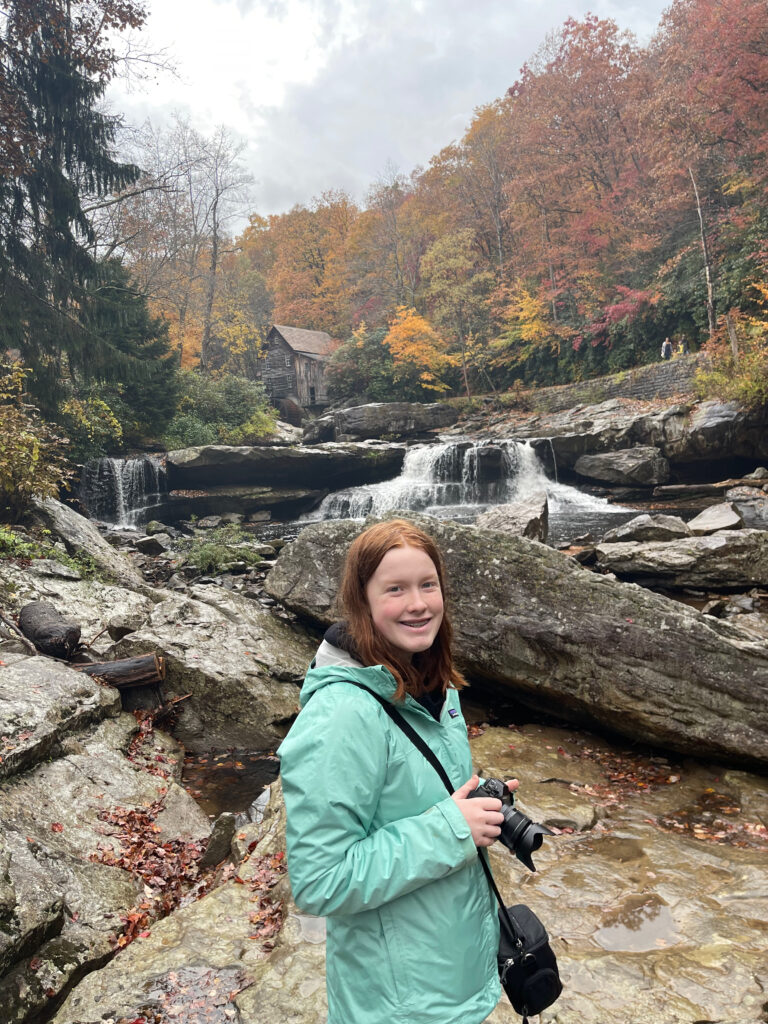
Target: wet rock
(558, 636)
(648, 527)
(761, 473)
(41, 702)
(239, 663)
(287, 983)
(714, 518)
(220, 840)
(392, 420)
(69, 905)
(642, 466)
(730, 558)
(327, 466)
(153, 527)
(752, 505)
(529, 518)
(157, 544)
(81, 537)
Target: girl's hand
(482, 814)
(512, 784)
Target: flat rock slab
(392, 419)
(716, 517)
(569, 641)
(648, 527)
(68, 906)
(241, 665)
(41, 702)
(730, 558)
(213, 939)
(329, 465)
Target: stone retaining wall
(656, 380)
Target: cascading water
(459, 480)
(121, 491)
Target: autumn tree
(456, 289)
(420, 360)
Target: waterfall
(460, 479)
(455, 480)
(121, 491)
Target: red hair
(428, 670)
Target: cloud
(327, 92)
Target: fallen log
(141, 670)
(48, 630)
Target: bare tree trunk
(707, 265)
(205, 345)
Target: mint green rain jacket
(376, 845)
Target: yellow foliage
(737, 368)
(418, 350)
(528, 327)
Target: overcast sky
(326, 93)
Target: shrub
(214, 409)
(32, 459)
(93, 428)
(737, 358)
(211, 552)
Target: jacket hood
(332, 664)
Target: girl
(375, 844)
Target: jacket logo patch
(453, 712)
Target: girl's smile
(405, 599)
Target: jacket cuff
(459, 827)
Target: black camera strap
(430, 755)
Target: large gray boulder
(730, 558)
(567, 640)
(528, 518)
(240, 664)
(328, 466)
(81, 538)
(641, 466)
(392, 420)
(683, 433)
(41, 703)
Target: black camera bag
(527, 964)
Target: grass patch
(216, 548)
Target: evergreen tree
(54, 66)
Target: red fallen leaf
(57, 827)
(144, 935)
(35, 963)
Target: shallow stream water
(655, 890)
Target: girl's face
(405, 599)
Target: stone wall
(656, 380)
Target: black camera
(519, 834)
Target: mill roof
(315, 343)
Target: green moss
(17, 545)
